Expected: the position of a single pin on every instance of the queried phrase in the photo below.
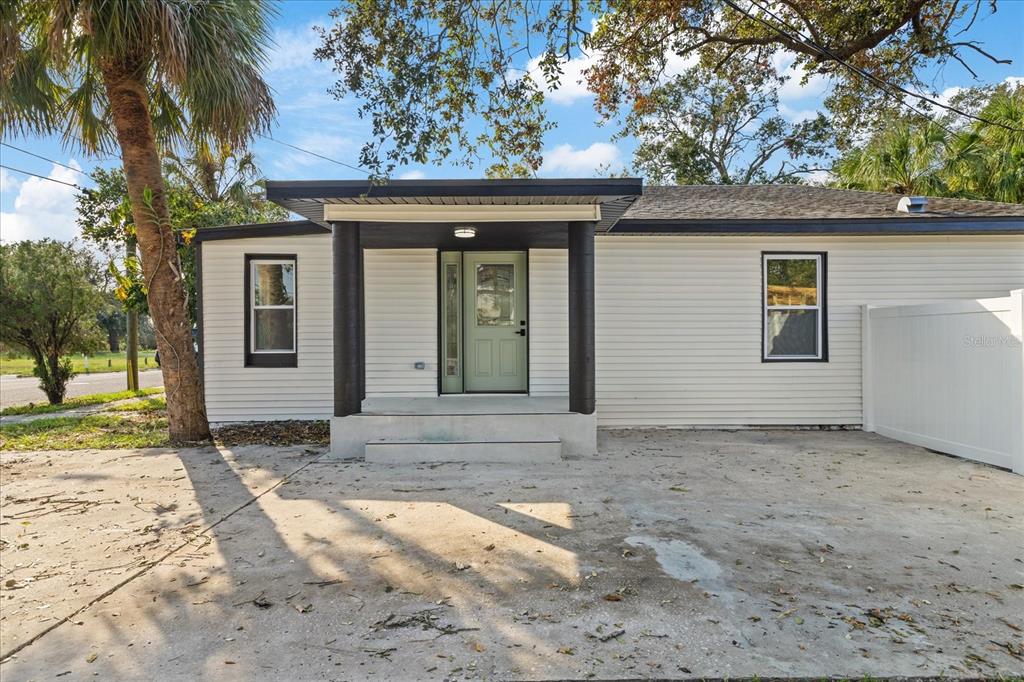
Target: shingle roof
(796, 202)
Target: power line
(281, 142)
(43, 177)
(319, 156)
(885, 85)
(58, 163)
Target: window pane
(274, 328)
(274, 284)
(792, 332)
(495, 295)
(792, 281)
(451, 320)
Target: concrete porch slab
(510, 452)
(467, 404)
(577, 432)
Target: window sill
(272, 360)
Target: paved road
(21, 390)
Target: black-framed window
(271, 310)
(794, 310)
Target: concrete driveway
(23, 390)
(670, 555)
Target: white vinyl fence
(949, 376)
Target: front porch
(493, 428)
(428, 221)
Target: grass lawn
(80, 401)
(99, 362)
(144, 405)
(131, 430)
(143, 424)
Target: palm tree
(131, 76)
(988, 159)
(905, 158)
(216, 173)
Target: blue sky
(309, 117)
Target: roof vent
(912, 204)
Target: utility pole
(132, 340)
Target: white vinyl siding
(235, 392)
(679, 322)
(401, 321)
(549, 322)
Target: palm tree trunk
(128, 97)
(132, 331)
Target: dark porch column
(581, 317)
(348, 320)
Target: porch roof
(309, 198)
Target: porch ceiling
(308, 198)
(510, 235)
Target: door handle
(521, 332)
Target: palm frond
(201, 63)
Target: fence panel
(948, 376)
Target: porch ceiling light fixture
(465, 232)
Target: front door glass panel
(495, 295)
(451, 319)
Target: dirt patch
(279, 433)
(669, 555)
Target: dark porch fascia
(308, 197)
(282, 190)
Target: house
(425, 317)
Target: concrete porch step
(576, 433)
(544, 451)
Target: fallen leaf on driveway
(612, 597)
(91, 657)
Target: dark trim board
(289, 228)
(200, 345)
(278, 190)
(823, 295)
(582, 372)
(251, 359)
(491, 236)
(348, 320)
(895, 226)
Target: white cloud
(567, 160)
(944, 98)
(293, 48)
(1014, 81)
(572, 84)
(412, 175)
(676, 64)
(287, 161)
(8, 182)
(43, 208)
(794, 88)
(794, 115)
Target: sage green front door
(494, 318)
